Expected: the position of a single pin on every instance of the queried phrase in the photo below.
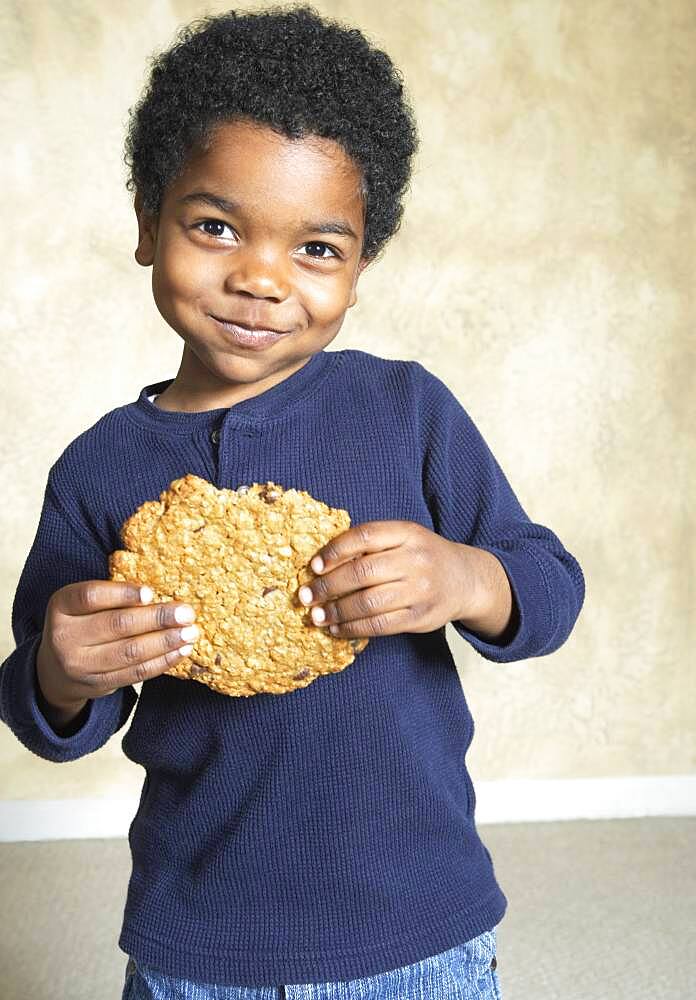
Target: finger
(125, 622)
(364, 604)
(88, 596)
(391, 623)
(138, 672)
(127, 658)
(371, 536)
(357, 574)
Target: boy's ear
(147, 233)
(364, 261)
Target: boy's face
(266, 256)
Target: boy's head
(295, 136)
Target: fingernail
(317, 564)
(184, 614)
(305, 595)
(190, 632)
(319, 615)
(333, 629)
(185, 650)
(146, 595)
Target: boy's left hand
(387, 577)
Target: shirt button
(215, 436)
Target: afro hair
(292, 70)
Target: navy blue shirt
(326, 834)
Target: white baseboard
(532, 800)
(66, 819)
(512, 800)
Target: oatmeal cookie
(239, 558)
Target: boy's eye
(216, 227)
(315, 246)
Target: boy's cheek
(327, 300)
(177, 285)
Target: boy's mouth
(249, 336)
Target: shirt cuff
(20, 709)
(532, 611)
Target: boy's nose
(262, 277)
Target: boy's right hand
(99, 636)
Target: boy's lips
(253, 337)
(253, 327)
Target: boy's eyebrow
(336, 226)
(329, 226)
(208, 198)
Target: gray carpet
(598, 911)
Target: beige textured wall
(544, 271)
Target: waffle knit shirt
(326, 834)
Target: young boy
(324, 838)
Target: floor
(597, 911)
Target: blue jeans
(466, 972)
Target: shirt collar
(272, 404)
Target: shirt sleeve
(472, 502)
(61, 553)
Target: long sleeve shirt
(328, 833)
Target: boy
(319, 844)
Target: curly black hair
(293, 70)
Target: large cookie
(238, 557)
